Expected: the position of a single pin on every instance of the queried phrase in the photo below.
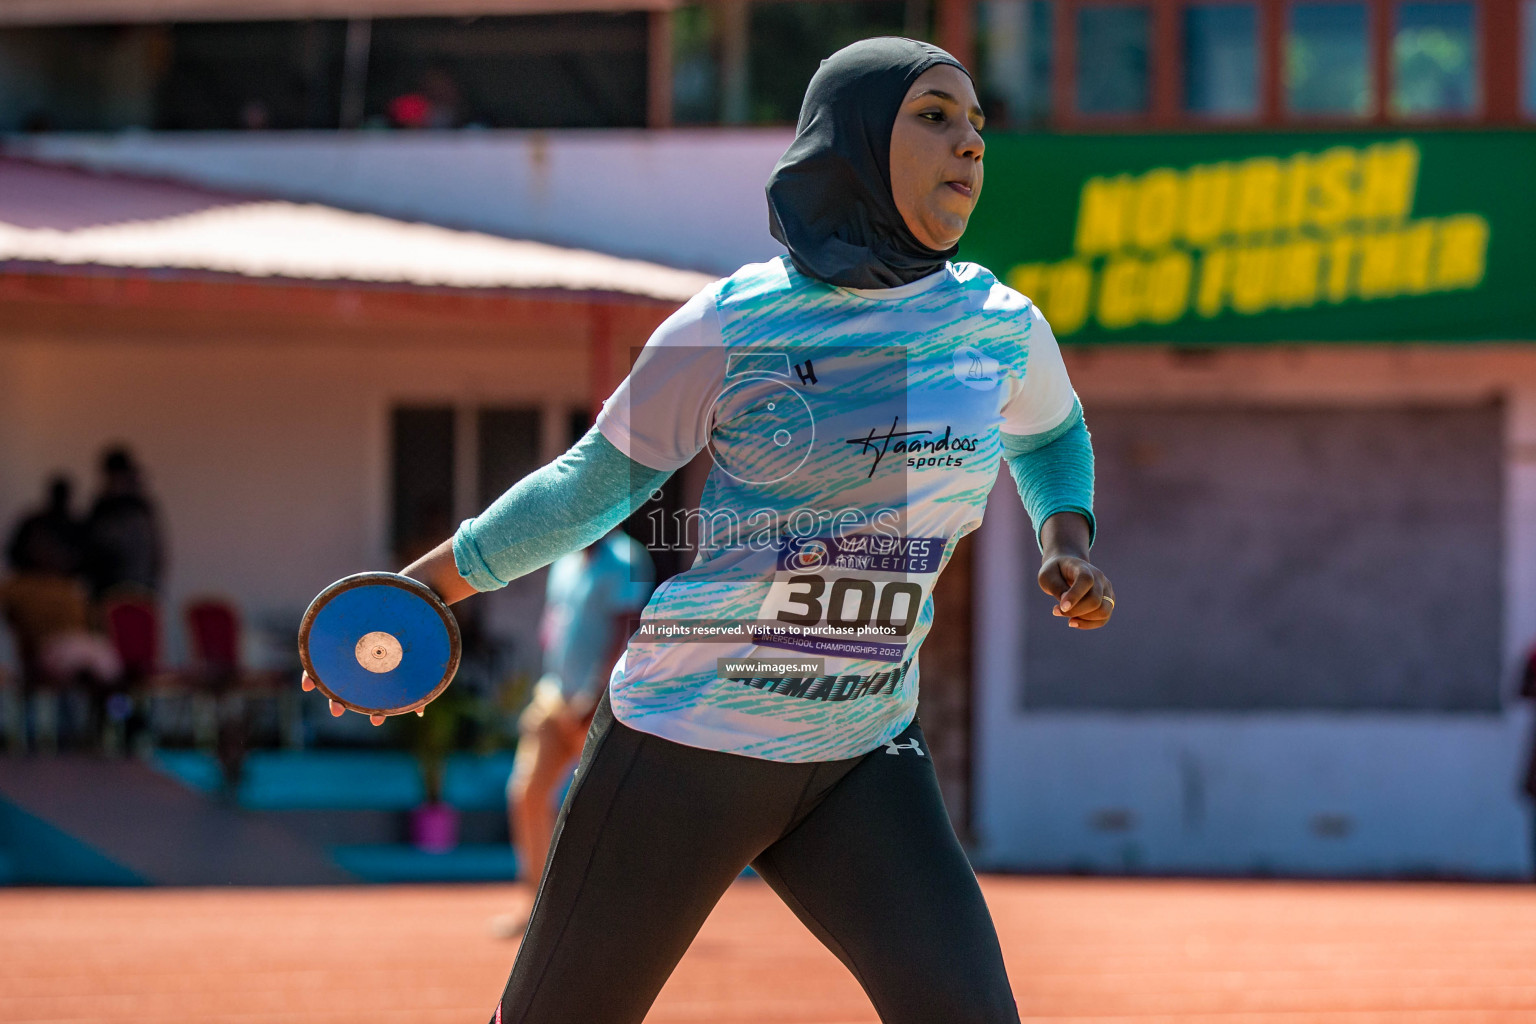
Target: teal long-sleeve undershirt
(556, 509)
(1054, 470)
(575, 500)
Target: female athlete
(856, 396)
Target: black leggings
(653, 832)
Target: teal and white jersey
(854, 439)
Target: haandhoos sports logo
(922, 449)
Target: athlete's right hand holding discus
(437, 570)
(1084, 596)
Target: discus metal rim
(390, 579)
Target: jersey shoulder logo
(975, 369)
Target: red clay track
(1128, 952)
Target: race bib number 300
(849, 597)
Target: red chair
(133, 624)
(217, 668)
(213, 640)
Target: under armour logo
(892, 747)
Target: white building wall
(685, 198)
(1422, 793)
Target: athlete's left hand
(1084, 596)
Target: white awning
(65, 12)
(71, 218)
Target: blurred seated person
(122, 532)
(48, 612)
(51, 532)
(590, 599)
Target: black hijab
(829, 197)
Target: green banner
(1235, 237)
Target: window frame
(1522, 75)
(1497, 32)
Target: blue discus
(379, 643)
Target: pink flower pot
(435, 828)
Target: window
(576, 70)
(1111, 60)
(1327, 60)
(538, 71)
(1528, 59)
(508, 440)
(422, 443)
(449, 462)
(1221, 60)
(1434, 60)
(1015, 61)
(82, 77)
(251, 75)
(695, 68)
